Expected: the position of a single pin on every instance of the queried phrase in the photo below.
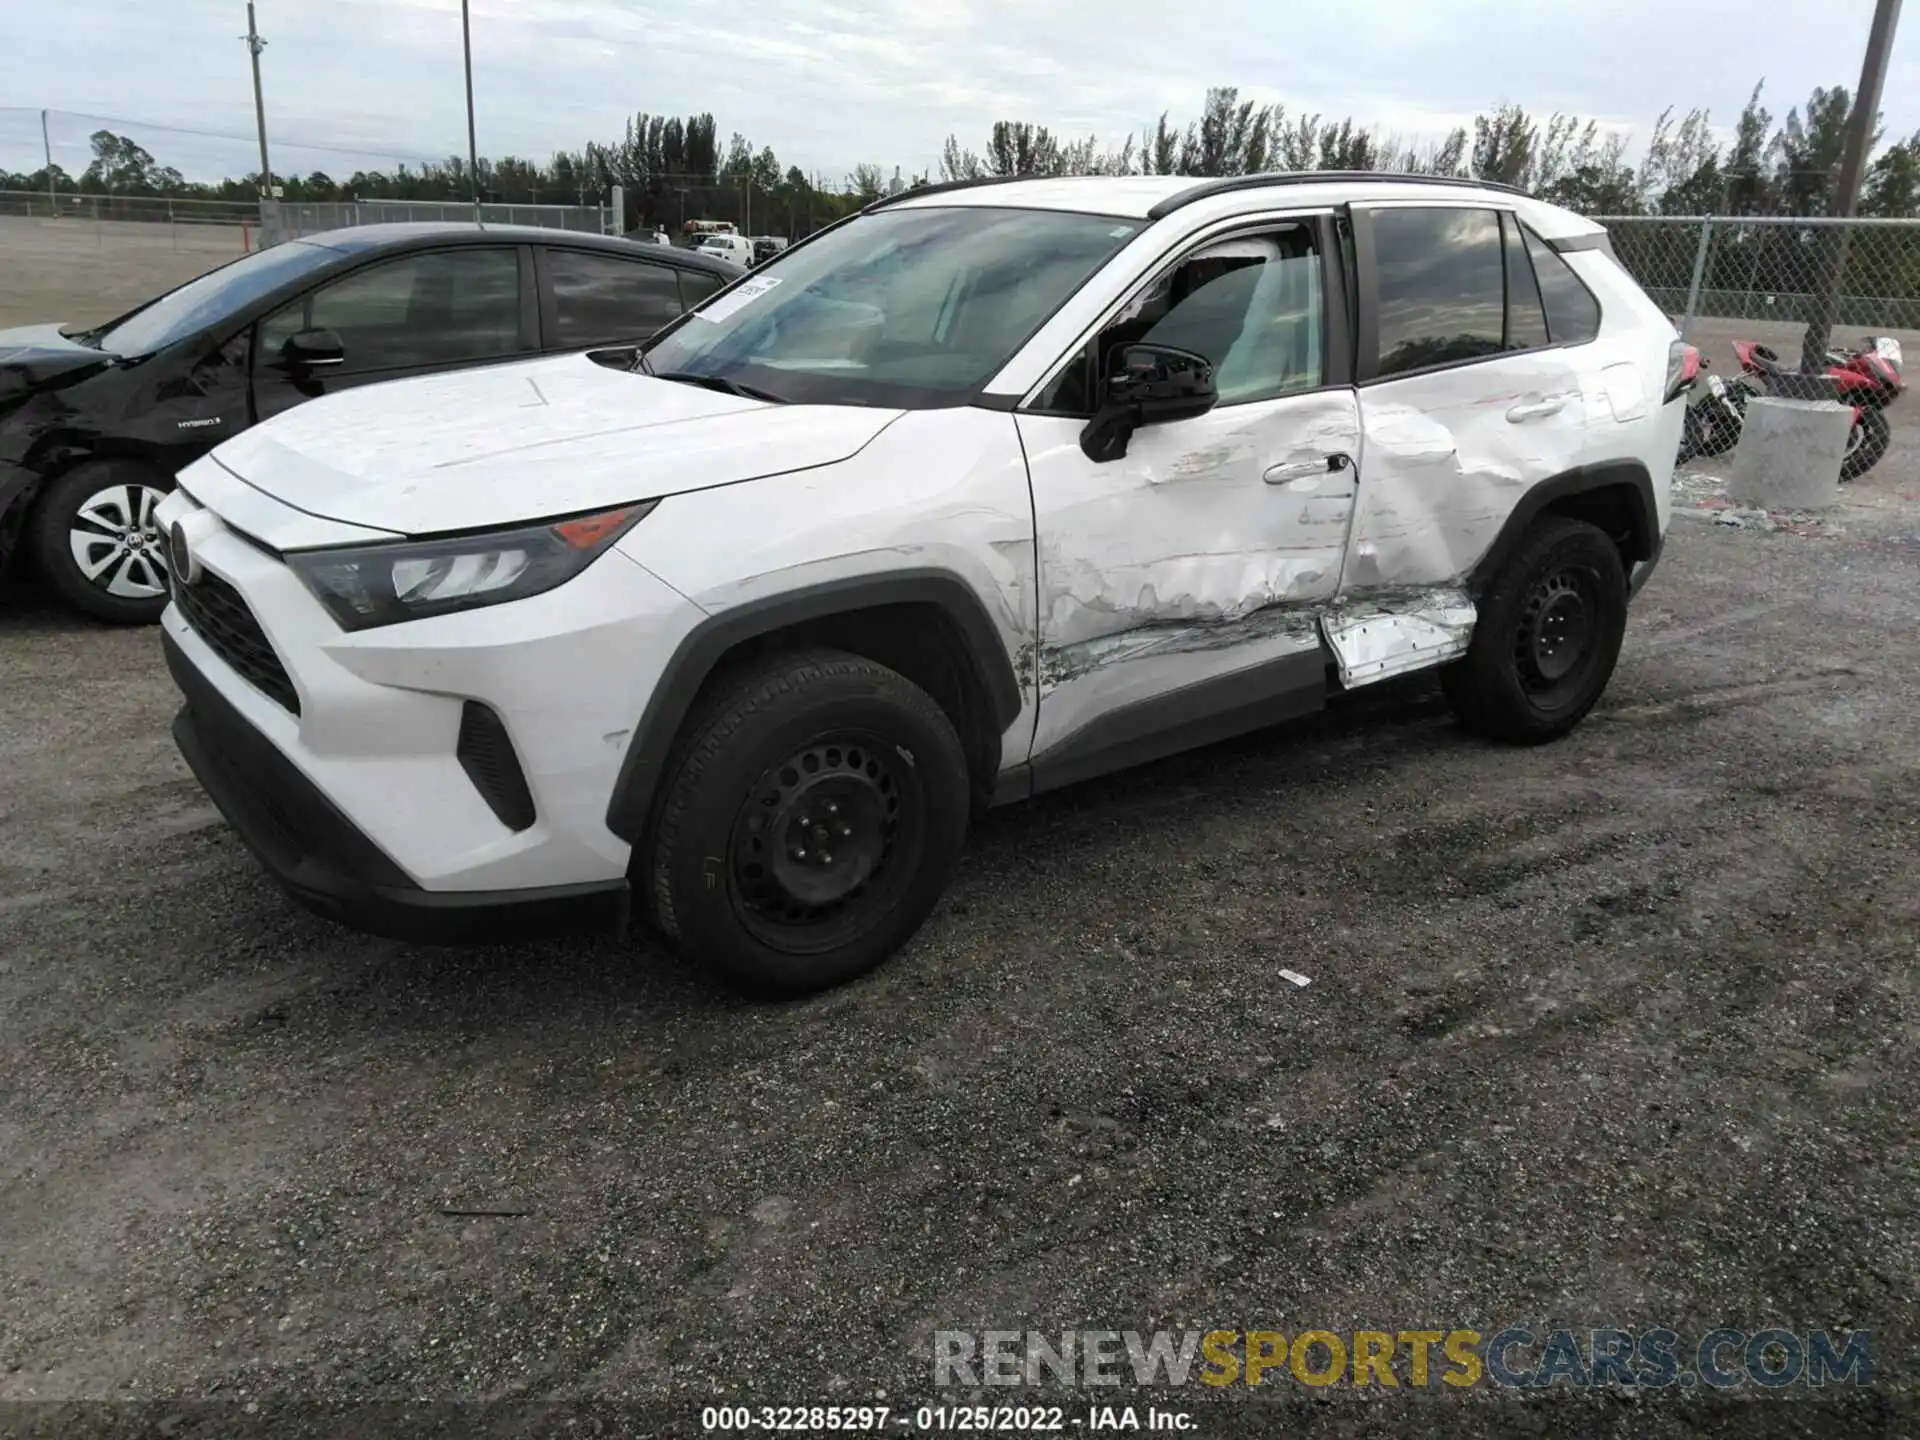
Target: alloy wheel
(116, 543)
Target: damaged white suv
(989, 489)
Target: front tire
(95, 541)
(812, 815)
(1866, 443)
(1547, 637)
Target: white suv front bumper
(349, 787)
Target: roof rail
(943, 187)
(1227, 184)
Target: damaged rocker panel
(1377, 634)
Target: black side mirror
(1147, 385)
(313, 350)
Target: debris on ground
(1704, 497)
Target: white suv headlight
(368, 585)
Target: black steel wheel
(1546, 638)
(809, 819)
(817, 839)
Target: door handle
(1307, 469)
(1537, 409)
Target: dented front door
(1210, 548)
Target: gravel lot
(1620, 1031)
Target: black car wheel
(98, 545)
(811, 816)
(1867, 441)
(1547, 636)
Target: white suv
(986, 490)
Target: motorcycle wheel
(1866, 443)
(1723, 432)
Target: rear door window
(605, 299)
(1441, 284)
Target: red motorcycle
(1866, 379)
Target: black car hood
(38, 353)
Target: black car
(94, 424)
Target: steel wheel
(1554, 642)
(814, 846)
(116, 544)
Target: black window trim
(1336, 331)
(1367, 289)
(550, 310)
(529, 313)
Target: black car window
(1441, 286)
(203, 303)
(599, 299)
(1526, 319)
(697, 285)
(441, 307)
(1573, 315)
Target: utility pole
(255, 45)
(53, 204)
(1853, 163)
(473, 149)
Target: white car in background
(988, 490)
(737, 248)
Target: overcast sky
(833, 83)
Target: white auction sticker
(743, 294)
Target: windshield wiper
(715, 382)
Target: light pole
(254, 46)
(1853, 161)
(473, 150)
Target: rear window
(1573, 315)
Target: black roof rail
(945, 185)
(1227, 184)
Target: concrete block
(1789, 454)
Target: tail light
(1683, 367)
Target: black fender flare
(708, 643)
(1629, 476)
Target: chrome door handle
(1307, 469)
(1537, 409)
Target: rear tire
(93, 538)
(1547, 637)
(812, 815)
(1866, 443)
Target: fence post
(1699, 275)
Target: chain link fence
(1774, 271)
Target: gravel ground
(1614, 1032)
(1618, 1032)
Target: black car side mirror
(1147, 385)
(313, 350)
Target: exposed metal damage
(1377, 634)
(1061, 663)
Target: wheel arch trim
(707, 645)
(1630, 476)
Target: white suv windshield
(910, 307)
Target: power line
(370, 152)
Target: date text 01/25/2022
(948, 1419)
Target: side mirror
(313, 350)
(1147, 385)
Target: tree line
(674, 168)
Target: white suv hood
(524, 441)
